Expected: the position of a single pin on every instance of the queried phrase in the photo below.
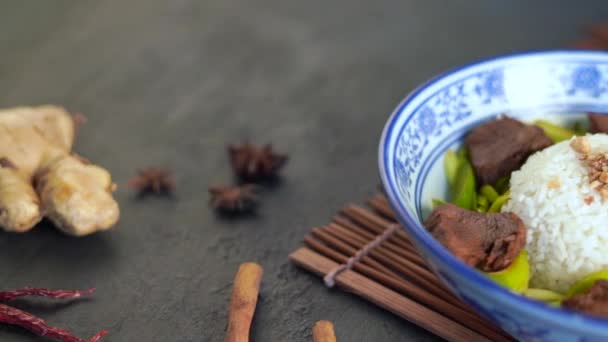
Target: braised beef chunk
(501, 146)
(593, 301)
(598, 123)
(488, 241)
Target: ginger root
(40, 177)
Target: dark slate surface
(170, 82)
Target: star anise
(233, 199)
(254, 163)
(153, 180)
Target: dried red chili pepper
(6, 296)
(14, 316)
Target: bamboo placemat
(364, 251)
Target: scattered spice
(254, 163)
(581, 145)
(233, 199)
(14, 316)
(153, 180)
(594, 301)
(554, 184)
(589, 200)
(604, 192)
(595, 163)
(243, 301)
(323, 331)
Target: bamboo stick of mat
(370, 260)
(374, 222)
(353, 230)
(380, 204)
(388, 299)
(393, 242)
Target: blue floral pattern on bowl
(438, 115)
(587, 78)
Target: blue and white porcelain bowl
(436, 116)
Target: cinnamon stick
(243, 301)
(323, 331)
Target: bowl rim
(502, 296)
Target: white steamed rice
(567, 238)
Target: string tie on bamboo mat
(330, 278)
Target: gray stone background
(169, 83)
